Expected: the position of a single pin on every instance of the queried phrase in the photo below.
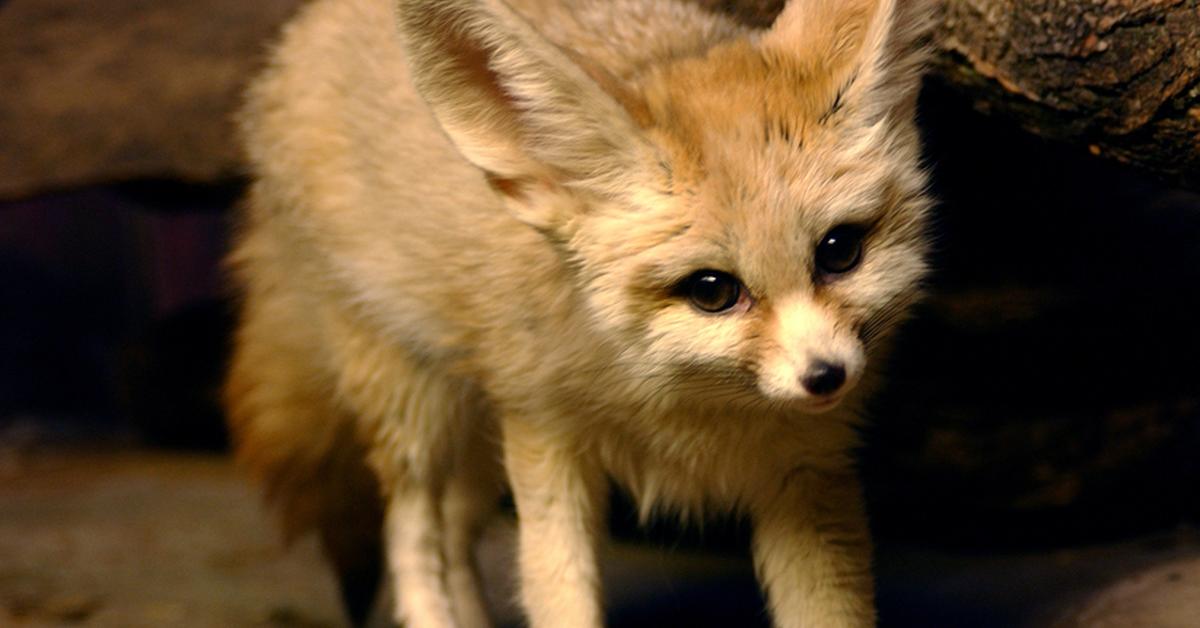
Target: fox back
(573, 241)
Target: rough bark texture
(1122, 76)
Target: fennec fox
(558, 243)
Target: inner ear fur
(512, 102)
(870, 52)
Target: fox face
(774, 246)
(752, 215)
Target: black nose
(823, 377)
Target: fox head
(753, 212)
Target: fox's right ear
(514, 104)
(872, 51)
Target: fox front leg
(413, 533)
(812, 552)
(472, 493)
(561, 501)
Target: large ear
(513, 103)
(870, 51)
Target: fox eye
(713, 290)
(840, 250)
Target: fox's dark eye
(713, 290)
(840, 250)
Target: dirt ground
(119, 539)
(129, 537)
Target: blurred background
(1032, 461)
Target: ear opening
(870, 51)
(451, 67)
(822, 35)
(513, 103)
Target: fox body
(534, 246)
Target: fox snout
(817, 383)
(813, 358)
(823, 378)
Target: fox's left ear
(868, 53)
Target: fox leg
(411, 413)
(414, 555)
(812, 552)
(469, 501)
(413, 452)
(431, 532)
(561, 503)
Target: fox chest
(693, 464)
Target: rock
(1162, 596)
(124, 89)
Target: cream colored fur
(463, 243)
